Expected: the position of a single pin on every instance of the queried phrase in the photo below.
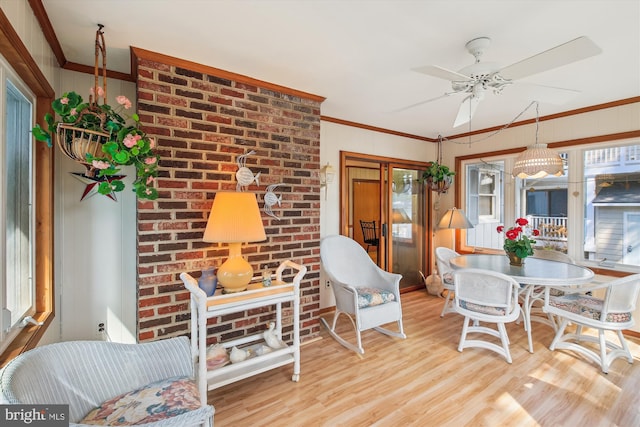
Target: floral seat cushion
(447, 278)
(485, 309)
(368, 297)
(156, 401)
(587, 306)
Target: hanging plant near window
(438, 177)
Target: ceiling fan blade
(424, 102)
(548, 94)
(442, 73)
(572, 51)
(467, 109)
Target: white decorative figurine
(244, 176)
(238, 355)
(270, 200)
(271, 338)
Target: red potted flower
(518, 242)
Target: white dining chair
(532, 296)
(612, 312)
(443, 255)
(490, 297)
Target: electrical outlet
(101, 328)
(328, 284)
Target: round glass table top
(535, 271)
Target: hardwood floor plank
(425, 381)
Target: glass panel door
(386, 194)
(406, 241)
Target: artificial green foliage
(126, 144)
(437, 173)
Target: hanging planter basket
(95, 135)
(439, 186)
(77, 142)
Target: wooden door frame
(347, 157)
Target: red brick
(199, 157)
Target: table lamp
(454, 219)
(234, 219)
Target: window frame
(23, 282)
(18, 57)
(575, 152)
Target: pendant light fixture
(538, 161)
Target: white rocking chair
(614, 312)
(366, 294)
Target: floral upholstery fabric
(587, 306)
(154, 402)
(368, 297)
(486, 309)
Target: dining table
(533, 275)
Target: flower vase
(514, 259)
(208, 281)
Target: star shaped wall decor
(92, 184)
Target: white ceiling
(359, 54)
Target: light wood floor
(425, 381)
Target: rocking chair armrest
(346, 296)
(388, 281)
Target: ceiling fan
(476, 79)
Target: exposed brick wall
(202, 123)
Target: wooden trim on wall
(376, 129)
(557, 144)
(18, 56)
(47, 29)
(348, 155)
(73, 66)
(205, 69)
(589, 109)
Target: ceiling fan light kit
(481, 76)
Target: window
(612, 205)
(602, 203)
(484, 204)
(17, 294)
(16, 63)
(484, 184)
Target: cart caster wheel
(295, 378)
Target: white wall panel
(96, 242)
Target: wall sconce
(234, 219)
(327, 173)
